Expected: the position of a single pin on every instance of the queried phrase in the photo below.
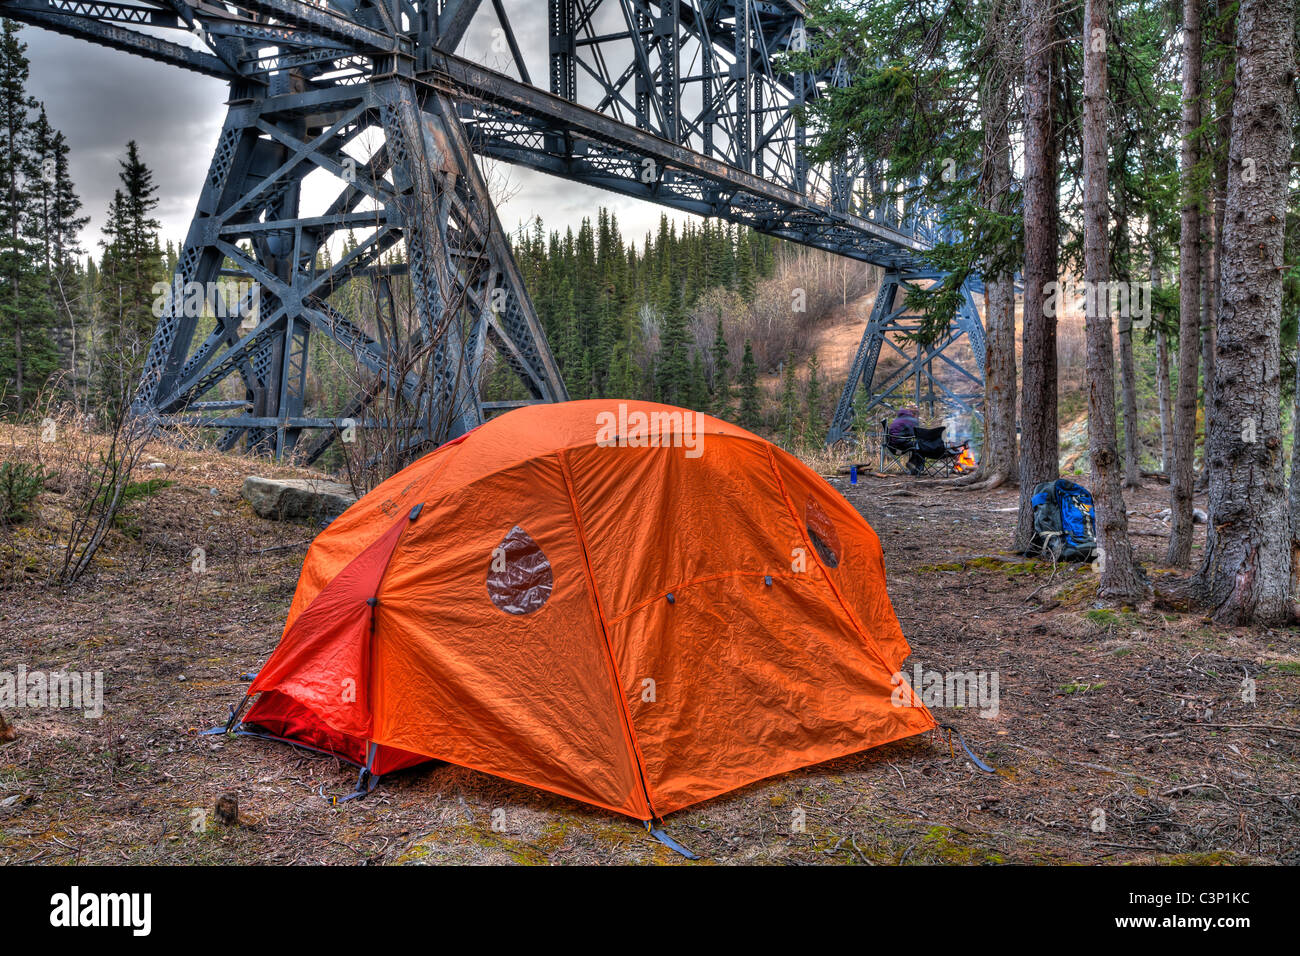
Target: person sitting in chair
(901, 431)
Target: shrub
(20, 484)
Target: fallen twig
(1277, 727)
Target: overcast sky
(101, 98)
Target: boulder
(296, 499)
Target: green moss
(414, 855)
(987, 563)
(944, 845)
(523, 853)
(1077, 688)
(1110, 620)
(1216, 858)
(553, 836)
(1286, 667)
(1083, 588)
(134, 491)
(1012, 569)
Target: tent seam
(635, 747)
(373, 640)
(803, 534)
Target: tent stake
(662, 836)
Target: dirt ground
(1122, 735)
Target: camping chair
(896, 451)
(940, 458)
(925, 450)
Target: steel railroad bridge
(685, 103)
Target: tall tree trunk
(1127, 370)
(1220, 107)
(1128, 393)
(1162, 349)
(18, 358)
(16, 269)
(1209, 282)
(1246, 570)
(1189, 297)
(1294, 498)
(1039, 436)
(1120, 577)
(999, 462)
(1162, 389)
(1223, 108)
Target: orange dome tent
(629, 604)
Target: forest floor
(1121, 735)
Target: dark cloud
(101, 99)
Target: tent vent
(519, 576)
(822, 532)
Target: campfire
(965, 462)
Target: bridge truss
(381, 105)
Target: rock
(292, 499)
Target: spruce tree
(54, 220)
(673, 370)
(598, 297)
(746, 280)
(132, 264)
(721, 368)
(750, 408)
(813, 434)
(790, 426)
(27, 353)
(699, 385)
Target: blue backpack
(1064, 524)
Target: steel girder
(520, 124)
(890, 319)
(646, 95)
(688, 103)
(421, 189)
